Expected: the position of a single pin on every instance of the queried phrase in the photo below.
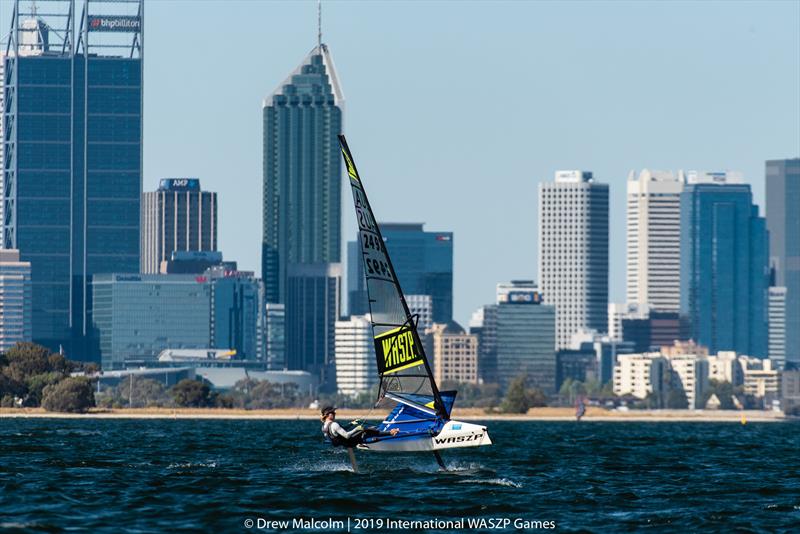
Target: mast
(410, 320)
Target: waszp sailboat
(420, 411)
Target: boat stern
(456, 434)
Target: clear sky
(456, 110)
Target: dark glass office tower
(422, 260)
(783, 222)
(724, 265)
(313, 298)
(302, 172)
(73, 145)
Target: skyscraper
(783, 222)
(302, 172)
(483, 324)
(724, 264)
(422, 260)
(573, 252)
(525, 335)
(313, 298)
(73, 152)
(275, 336)
(777, 326)
(235, 311)
(179, 216)
(15, 299)
(653, 239)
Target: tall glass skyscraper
(783, 222)
(422, 260)
(73, 156)
(724, 264)
(302, 172)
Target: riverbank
(466, 414)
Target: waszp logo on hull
(458, 439)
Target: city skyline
(690, 123)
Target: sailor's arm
(337, 429)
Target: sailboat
(419, 411)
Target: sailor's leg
(439, 461)
(352, 455)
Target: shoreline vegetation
(593, 414)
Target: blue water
(185, 475)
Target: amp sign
(180, 184)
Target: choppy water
(183, 475)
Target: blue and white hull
(453, 435)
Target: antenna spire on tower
(319, 23)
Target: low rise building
(790, 391)
(761, 379)
(689, 372)
(641, 374)
(136, 316)
(15, 299)
(455, 353)
(725, 367)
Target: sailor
(349, 438)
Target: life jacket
(335, 439)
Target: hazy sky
(455, 111)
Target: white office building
(689, 372)
(777, 326)
(725, 367)
(356, 370)
(422, 306)
(761, 379)
(573, 252)
(653, 239)
(640, 374)
(15, 299)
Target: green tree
(136, 392)
(516, 399)
(9, 387)
(677, 400)
(36, 385)
(72, 394)
(190, 393)
(724, 391)
(25, 360)
(473, 395)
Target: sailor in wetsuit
(349, 438)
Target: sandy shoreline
(535, 414)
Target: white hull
(455, 434)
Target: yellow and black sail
(405, 375)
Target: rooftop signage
(117, 23)
(179, 184)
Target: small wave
(190, 465)
(318, 467)
(16, 526)
(493, 482)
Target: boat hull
(454, 435)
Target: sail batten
(402, 365)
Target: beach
(465, 414)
